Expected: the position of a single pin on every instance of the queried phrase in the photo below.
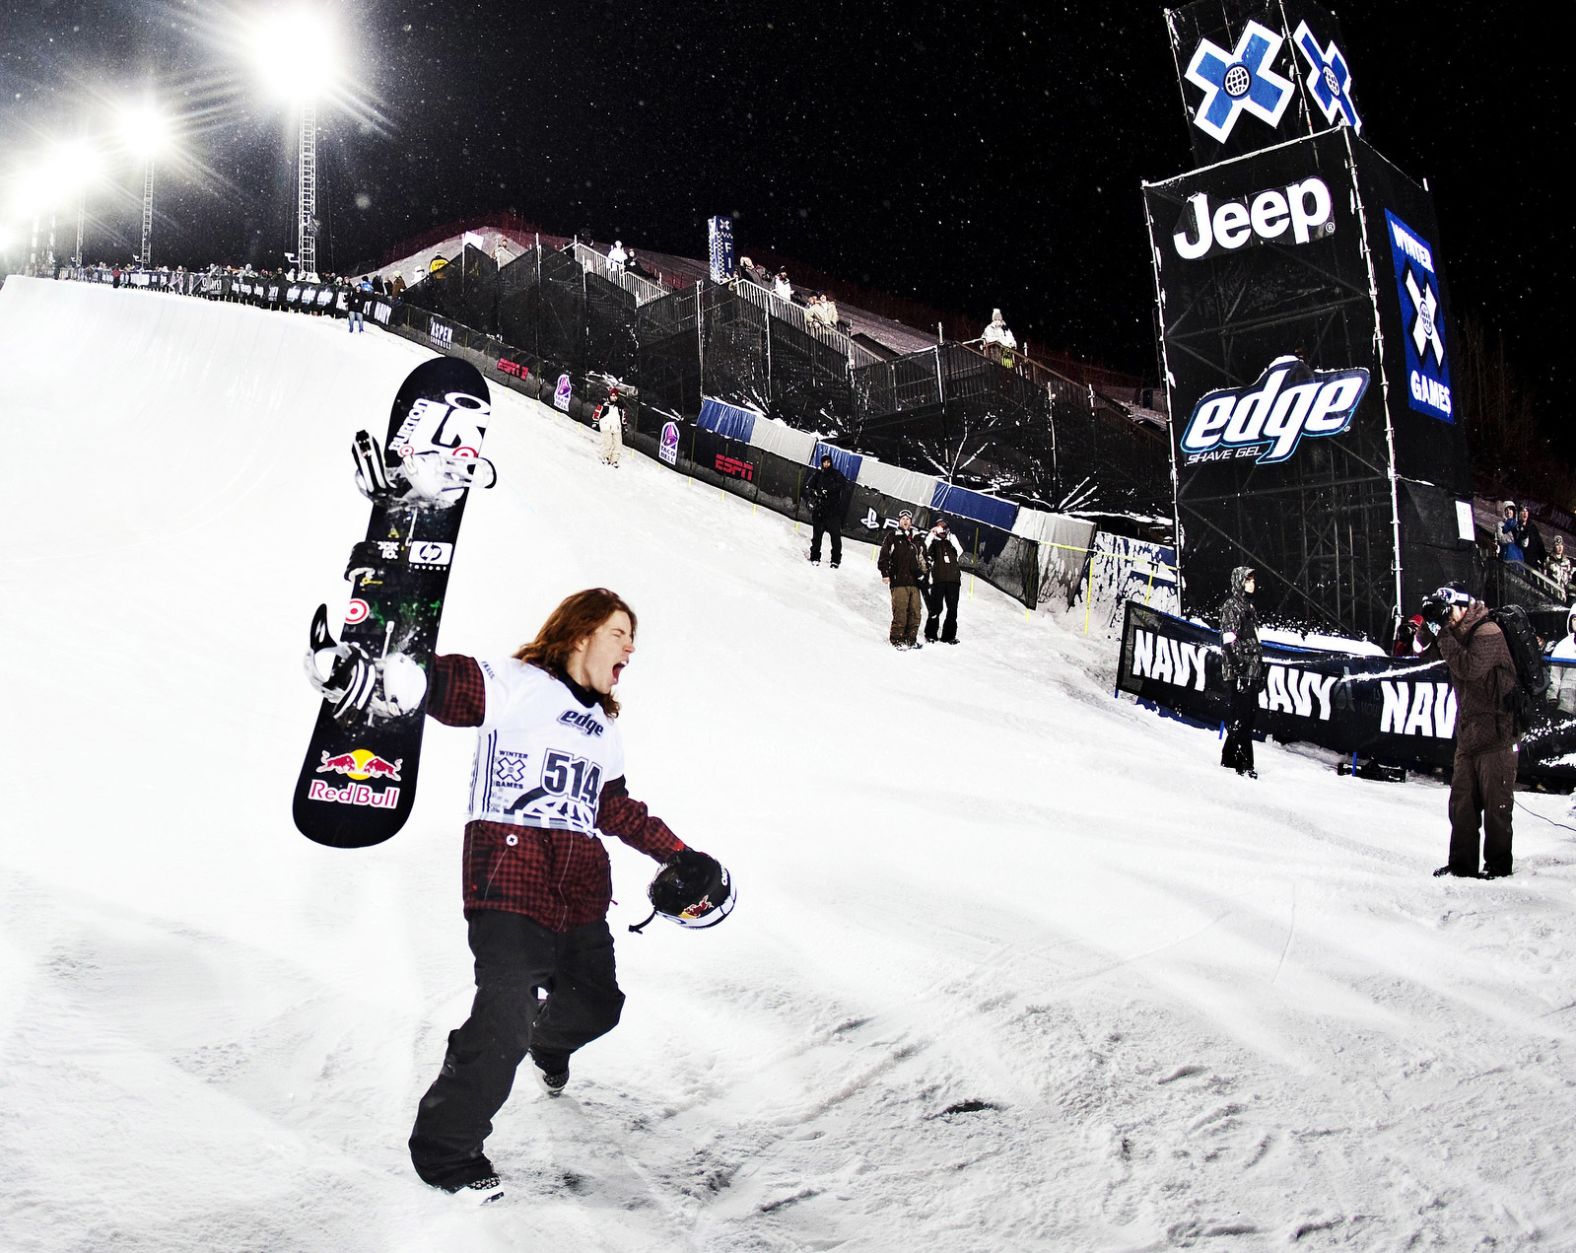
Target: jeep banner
(1300, 445)
(1397, 710)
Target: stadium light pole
(73, 167)
(146, 134)
(296, 52)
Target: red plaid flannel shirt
(561, 879)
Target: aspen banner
(1398, 710)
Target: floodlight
(296, 52)
(144, 130)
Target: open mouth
(618, 669)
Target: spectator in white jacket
(782, 288)
(999, 342)
(611, 424)
(616, 256)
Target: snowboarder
(548, 781)
(943, 551)
(824, 494)
(611, 424)
(1242, 668)
(903, 566)
(1483, 775)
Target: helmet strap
(638, 929)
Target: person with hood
(1457, 629)
(611, 423)
(824, 494)
(943, 552)
(1000, 343)
(1242, 669)
(903, 566)
(1509, 549)
(616, 257)
(1558, 568)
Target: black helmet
(691, 889)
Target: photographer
(1242, 668)
(1483, 779)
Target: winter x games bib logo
(1268, 420)
(1243, 79)
(1417, 285)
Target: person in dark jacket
(1242, 668)
(943, 552)
(1483, 775)
(1529, 541)
(824, 494)
(903, 566)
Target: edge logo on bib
(1417, 286)
(1302, 208)
(1268, 420)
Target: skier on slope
(549, 778)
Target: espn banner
(1397, 710)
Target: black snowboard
(358, 782)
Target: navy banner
(1398, 710)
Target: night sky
(969, 155)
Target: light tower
(146, 134)
(296, 54)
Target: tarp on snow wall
(1397, 710)
(1009, 562)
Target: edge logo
(1302, 208)
(1271, 417)
(440, 334)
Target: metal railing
(799, 318)
(594, 262)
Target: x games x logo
(1237, 81)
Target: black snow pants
(1242, 713)
(941, 610)
(826, 526)
(514, 957)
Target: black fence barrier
(1041, 440)
(1394, 710)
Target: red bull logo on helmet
(361, 764)
(699, 909)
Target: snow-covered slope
(1015, 964)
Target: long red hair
(576, 617)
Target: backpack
(1532, 679)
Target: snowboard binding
(427, 479)
(348, 675)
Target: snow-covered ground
(1015, 965)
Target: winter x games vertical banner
(1417, 292)
(1258, 72)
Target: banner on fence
(1398, 710)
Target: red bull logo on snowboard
(362, 768)
(361, 764)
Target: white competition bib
(541, 756)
